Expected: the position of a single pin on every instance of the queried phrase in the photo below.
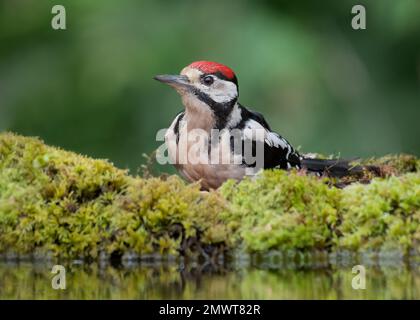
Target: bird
(209, 92)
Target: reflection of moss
(33, 281)
(72, 206)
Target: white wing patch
(270, 138)
(235, 117)
(170, 133)
(274, 140)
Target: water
(332, 279)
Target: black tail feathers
(336, 167)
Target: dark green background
(324, 86)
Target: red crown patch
(213, 67)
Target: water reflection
(30, 280)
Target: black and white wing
(278, 152)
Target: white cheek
(221, 91)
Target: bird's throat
(198, 115)
(199, 119)
(201, 115)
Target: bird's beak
(176, 81)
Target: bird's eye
(208, 80)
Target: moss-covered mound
(60, 203)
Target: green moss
(72, 206)
(286, 210)
(67, 205)
(282, 210)
(395, 164)
(385, 213)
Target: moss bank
(58, 202)
(72, 206)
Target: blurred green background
(321, 84)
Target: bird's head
(205, 84)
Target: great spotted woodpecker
(209, 92)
